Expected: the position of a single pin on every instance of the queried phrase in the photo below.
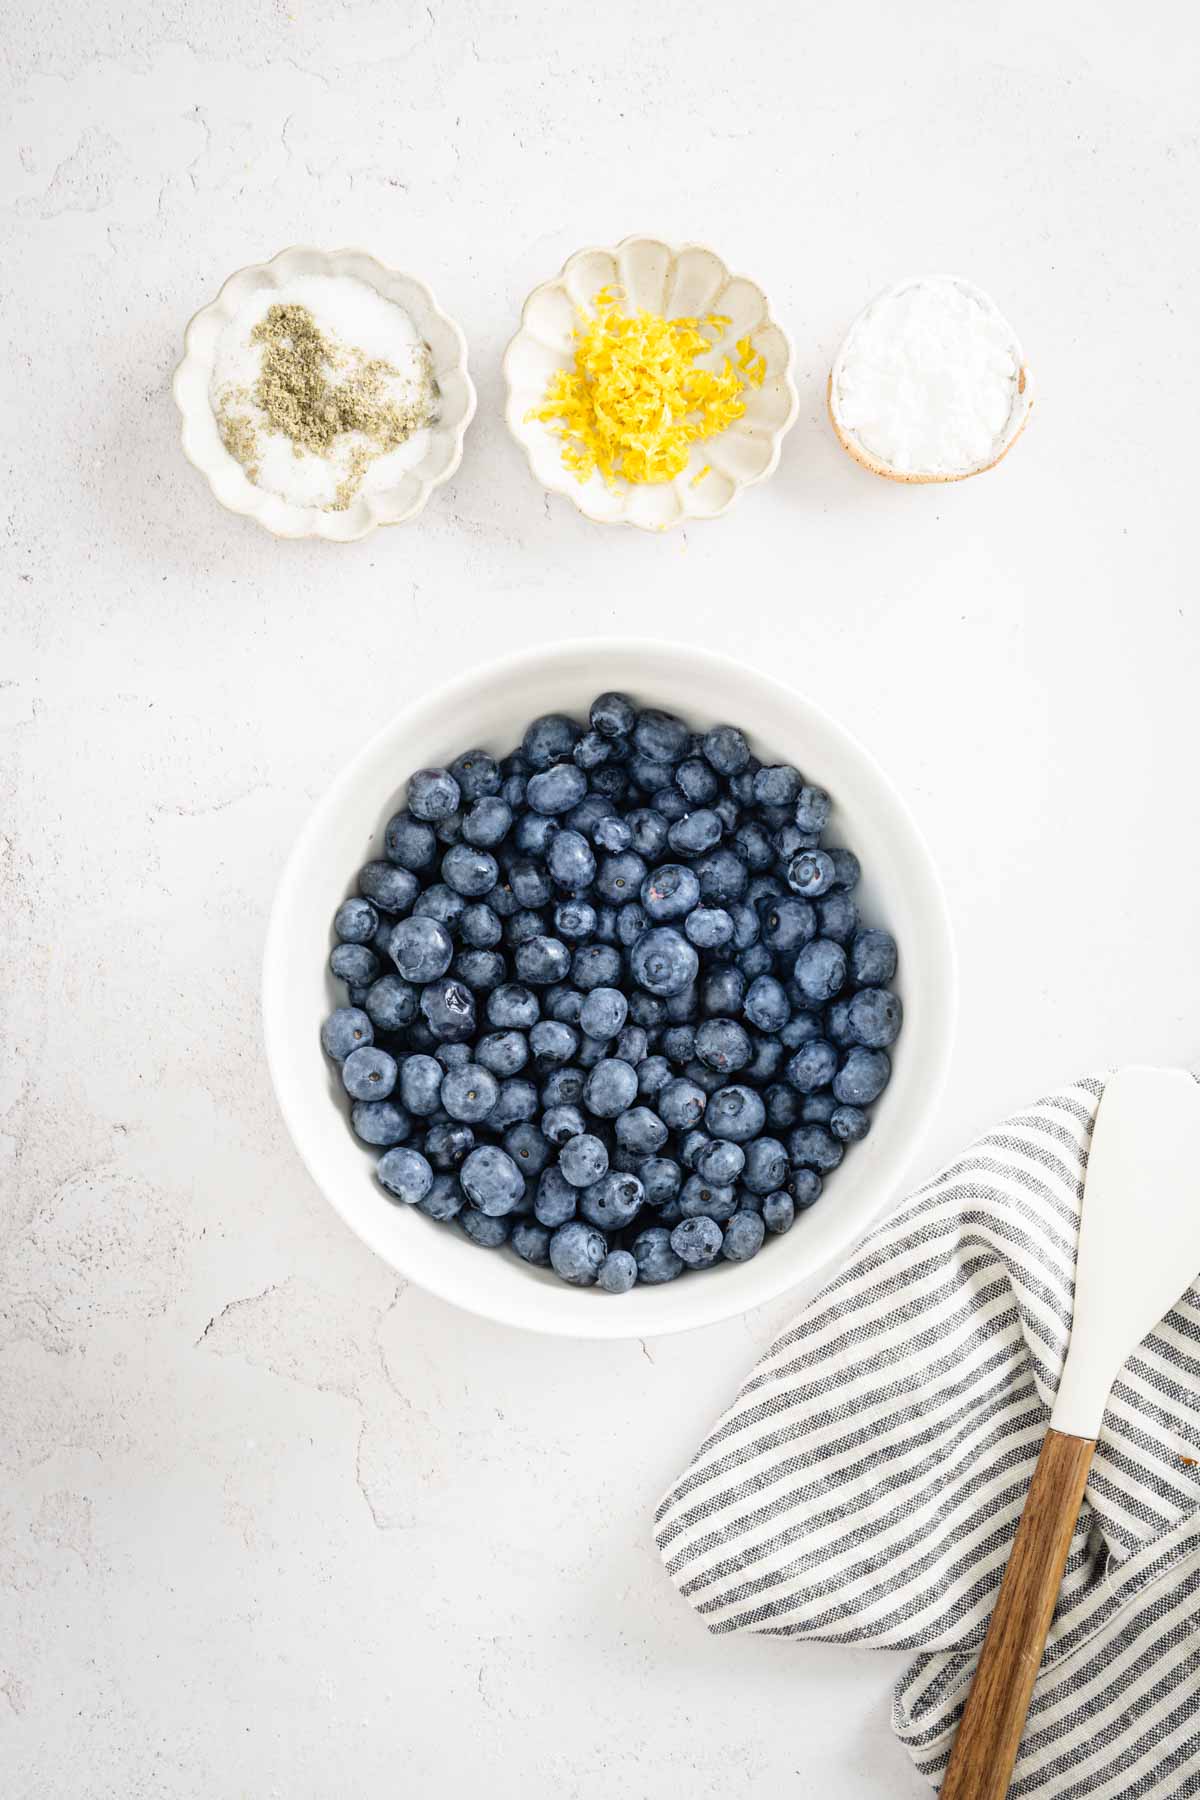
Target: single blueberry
(470, 1093)
(523, 926)
(487, 822)
(369, 1073)
(449, 1008)
(433, 795)
(604, 1012)
(583, 1160)
(380, 1122)
(662, 1179)
(872, 958)
(549, 740)
(766, 1004)
(701, 1199)
(708, 927)
(482, 1229)
(619, 877)
(447, 1142)
(612, 833)
(805, 1188)
(697, 1242)
(726, 749)
(723, 877)
(656, 1261)
(814, 1147)
(777, 785)
(724, 989)
(720, 1162)
(813, 1066)
(530, 884)
(820, 970)
(697, 781)
(408, 842)
(850, 1124)
(563, 1003)
(695, 832)
(611, 1088)
(630, 921)
(778, 1212)
(512, 1007)
(649, 830)
(571, 862)
(491, 1180)
(653, 1075)
(469, 871)
(783, 1106)
(596, 965)
(355, 921)
(743, 1237)
(661, 737)
(612, 715)
(480, 927)
(556, 790)
(481, 970)
(392, 889)
(766, 1165)
(561, 1123)
(345, 1030)
(476, 773)
(640, 1131)
(813, 807)
(663, 961)
(862, 1077)
(680, 1104)
(405, 1174)
(556, 1199)
(632, 1046)
(531, 1242)
(753, 844)
(670, 892)
(421, 1084)
(811, 873)
(846, 868)
(552, 1044)
(591, 752)
(802, 1026)
(736, 1112)
(441, 904)
(574, 920)
(512, 790)
(838, 916)
(444, 1199)
(723, 1045)
(354, 964)
(612, 1202)
(787, 924)
(875, 1017)
(533, 834)
(577, 1252)
(618, 1272)
(542, 960)
(518, 1100)
(563, 1088)
(528, 1147)
(391, 1003)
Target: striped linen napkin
(865, 1485)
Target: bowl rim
(251, 508)
(605, 1322)
(574, 490)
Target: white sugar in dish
(373, 347)
(930, 383)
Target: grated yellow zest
(700, 474)
(751, 362)
(633, 403)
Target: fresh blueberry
(661, 737)
(530, 884)
(800, 1028)
(610, 782)
(697, 1241)
(630, 921)
(480, 928)
(487, 822)
(421, 1084)
(470, 1093)
(875, 1017)
(805, 1188)
(482, 970)
(640, 1131)
(723, 1045)
(814, 1147)
(726, 749)
(583, 1160)
(647, 1010)
(391, 1003)
(355, 921)
(620, 877)
(491, 1180)
(561, 1123)
(846, 868)
(512, 789)
(783, 1106)
(649, 830)
(592, 1051)
(743, 1237)
(680, 1104)
(444, 1199)
(552, 1044)
(604, 1012)
(670, 892)
(820, 970)
(632, 1046)
(369, 1073)
(549, 740)
(447, 1142)
(813, 807)
(850, 1124)
(708, 927)
(872, 958)
(556, 790)
(542, 960)
(697, 781)
(811, 873)
(753, 844)
(482, 1229)
(476, 773)
(556, 1199)
(449, 1008)
(612, 833)
(405, 1174)
(391, 888)
(817, 1109)
(534, 833)
(766, 1165)
(766, 1004)
(662, 1179)
(611, 1088)
(408, 842)
(663, 961)
(653, 1074)
(612, 715)
(527, 1146)
(778, 1212)
(656, 1261)
(523, 926)
(518, 1100)
(705, 1078)
(441, 904)
(862, 1077)
(574, 920)
(737, 1113)
(469, 871)
(577, 1253)
(571, 862)
(696, 832)
(345, 1030)
(380, 1122)
(354, 964)
(512, 1007)
(531, 1242)
(618, 1272)
(563, 1003)
(563, 1088)
(707, 1200)
(813, 1066)
(720, 1162)
(724, 990)
(612, 1202)
(433, 795)
(838, 915)
(591, 752)
(723, 877)
(776, 786)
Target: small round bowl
(492, 707)
(225, 475)
(677, 282)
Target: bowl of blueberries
(608, 991)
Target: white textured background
(270, 1526)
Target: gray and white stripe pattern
(865, 1485)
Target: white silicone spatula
(1139, 1249)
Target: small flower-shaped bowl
(442, 441)
(688, 281)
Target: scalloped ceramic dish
(391, 506)
(690, 280)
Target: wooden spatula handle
(989, 1736)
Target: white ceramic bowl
(684, 281)
(443, 445)
(492, 707)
